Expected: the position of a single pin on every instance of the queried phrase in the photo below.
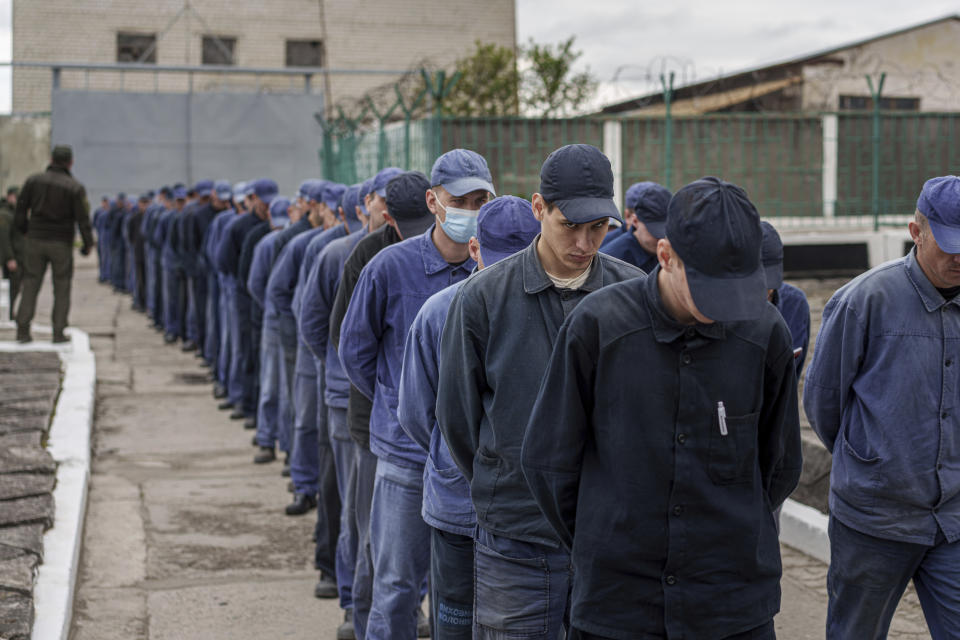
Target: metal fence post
(829, 127)
(875, 93)
(613, 149)
(407, 117)
(667, 130)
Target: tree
(548, 89)
(489, 83)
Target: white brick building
(339, 34)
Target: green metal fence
(861, 163)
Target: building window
(131, 47)
(218, 49)
(865, 103)
(304, 53)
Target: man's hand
(85, 250)
(11, 265)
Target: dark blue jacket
(666, 508)
(231, 243)
(392, 288)
(496, 343)
(263, 256)
(793, 306)
(625, 247)
(286, 269)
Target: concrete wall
(921, 63)
(360, 34)
(24, 148)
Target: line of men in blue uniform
(320, 318)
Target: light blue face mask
(460, 224)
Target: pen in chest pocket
(722, 418)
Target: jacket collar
(535, 278)
(665, 328)
(931, 298)
(56, 169)
(433, 262)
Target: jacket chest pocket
(732, 456)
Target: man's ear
(539, 206)
(473, 246)
(665, 255)
(393, 223)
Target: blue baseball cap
(311, 186)
(180, 193)
(578, 180)
(382, 178)
(166, 191)
(332, 193)
(715, 230)
(939, 201)
(349, 202)
(407, 203)
(461, 171)
(203, 188)
(365, 188)
(239, 189)
(650, 206)
(222, 189)
(505, 225)
(266, 189)
(279, 206)
(771, 255)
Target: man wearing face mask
(392, 288)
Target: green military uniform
(11, 248)
(57, 204)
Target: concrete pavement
(185, 537)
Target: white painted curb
(69, 444)
(805, 529)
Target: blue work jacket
(883, 393)
(263, 255)
(446, 493)
(316, 305)
(391, 289)
(792, 304)
(625, 247)
(231, 243)
(286, 270)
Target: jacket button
(677, 510)
(681, 438)
(686, 359)
(671, 580)
(944, 415)
(948, 363)
(690, 332)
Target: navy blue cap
(578, 180)
(715, 230)
(223, 189)
(461, 171)
(332, 193)
(939, 201)
(650, 206)
(314, 186)
(407, 203)
(771, 255)
(279, 206)
(166, 191)
(349, 202)
(382, 178)
(265, 189)
(145, 197)
(121, 196)
(203, 188)
(505, 225)
(180, 193)
(365, 188)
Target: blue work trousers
(451, 585)
(288, 365)
(240, 389)
(522, 589)
(868, 576)
(344, 459)
(225, 351)
(158, 293)
(196, 308)
(211, 338)
(304, 454)
(118, 268)
(151, 282)
(366, 472)
(174, 302)
(400, 547)
(268, 404)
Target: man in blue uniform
(194, 226)
(152, 255)
(881, 392)
(222, 213)
(505, 226)
(790, 301)
(390, 291)
(118, 253)
(664, 495)
(646, 215)
(174, 292)
(484, 398)
(103, 249)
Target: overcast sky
(627, 43)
